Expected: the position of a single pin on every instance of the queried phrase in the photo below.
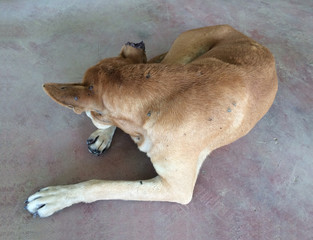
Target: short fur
(208, 90)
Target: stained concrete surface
(260, 187)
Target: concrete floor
(260, 187)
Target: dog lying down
(208, 90)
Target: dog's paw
(100, 140)
(49, 200)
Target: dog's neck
(147, 88)
(143, 84)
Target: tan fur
(208, 90)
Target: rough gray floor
(260, 187)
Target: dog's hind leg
(194, 43)
(157, 59)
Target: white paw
(50, 200)
(100, 140)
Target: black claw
(95, 151)
(25, 207)
(26, 202)
(103, 151)
(35, 215)
(92, 141)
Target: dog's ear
(136, 52)
(78, 97)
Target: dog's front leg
(52, 199)
(100, 140)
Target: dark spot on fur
(63, 88)
(228, 109)
(221, 128)
(210, 119)
(235, 104)
(148, 75)
(149, 114)
(141, 182)
(90, 87)
(75, 98)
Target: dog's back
(205, 92)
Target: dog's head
(87, 96)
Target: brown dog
(210, 89)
